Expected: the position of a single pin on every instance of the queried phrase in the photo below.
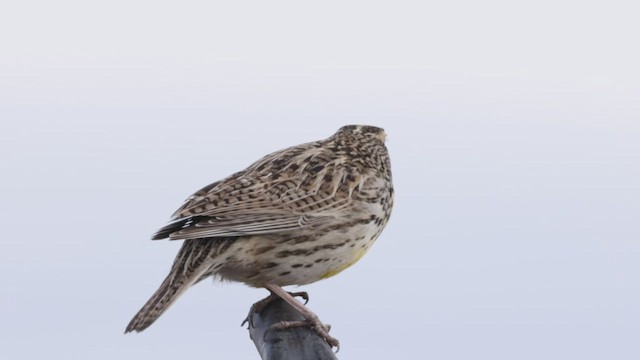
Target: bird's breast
(298, 260)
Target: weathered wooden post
(299, 343)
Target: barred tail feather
(192, 263)
(161, 300)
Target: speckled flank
(293, 217)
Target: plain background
(514, 131)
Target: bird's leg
(311, 319)
(260, 305)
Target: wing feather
(266, 199)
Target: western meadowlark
(294, 217)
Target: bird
(294, 217)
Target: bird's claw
(313, 324)
(260, 305)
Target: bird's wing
(263, 202)
(251, 224)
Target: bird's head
(363, 131)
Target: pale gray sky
(514, 131)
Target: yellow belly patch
(339, 269)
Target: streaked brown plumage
(294, 217)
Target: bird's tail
(192, 263)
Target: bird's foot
(312, 322)
(262, 304)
